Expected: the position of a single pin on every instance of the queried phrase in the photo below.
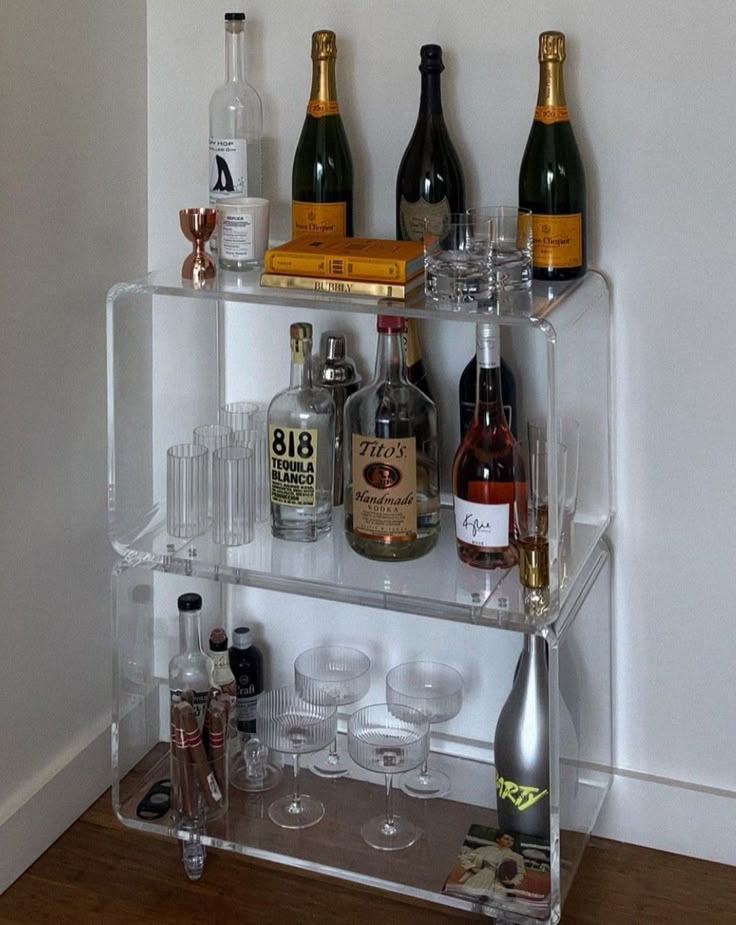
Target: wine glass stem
(389, 802)
(296, 798)
(424, 770)
(333, 757)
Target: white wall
(73, 201)
(649, 87)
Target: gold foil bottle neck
(324, 45)
(552, 46)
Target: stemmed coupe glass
(332, 675)
(436, 690)
(288, 724)
(388, 739)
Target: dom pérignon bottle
(322, 174)
(429, 184)
(191, 669)
(551, 177)
(521, 746)
(301, 447)
(483, 477)
(236, 123)
(392, 497)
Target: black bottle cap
(190, 601)
(234, 17)
(431, 59)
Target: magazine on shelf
(497, 866)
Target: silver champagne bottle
(521, 746)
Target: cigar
(216, 725)
(183, 771)
(205, 778)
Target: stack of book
(376, 267)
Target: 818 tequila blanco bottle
(301, 441)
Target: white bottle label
(228, 168)
(236, 237)
(485, 525)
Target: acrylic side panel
(130, 397)
(135, 714)
(585, 718)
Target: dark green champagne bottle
(429, 184)
(322, 175)
(551, 177)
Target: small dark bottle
(246, 664)
(467, 391)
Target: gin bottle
(236, 123)
(191, 669)
(392, 498)
(301, 441)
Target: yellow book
(376, 260)
(342, 286)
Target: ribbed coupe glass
(336, 675)
(388, 739)
(436, 690)
(289, 724)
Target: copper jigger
(197, 226)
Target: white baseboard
(34, 817)
(671, 816)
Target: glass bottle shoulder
(236, 98)
(301, 401)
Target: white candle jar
(242, 232)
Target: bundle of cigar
(198, 770)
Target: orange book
(375, 260)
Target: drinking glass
(436, 690)
(233, 473)
(512, 243)
(238, 415)
(256, 439)
(531, 512)
(389, 739)
(336, 675)
(287, 723)
(570, 438)
(186, 489)
(214, 437)
(457, 259)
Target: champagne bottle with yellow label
(551, 177)
(322, 174)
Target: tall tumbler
(214, 437)
(233, 496)
(186, 489)
(257, 440)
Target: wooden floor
(100, 873)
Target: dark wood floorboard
(100, 873)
